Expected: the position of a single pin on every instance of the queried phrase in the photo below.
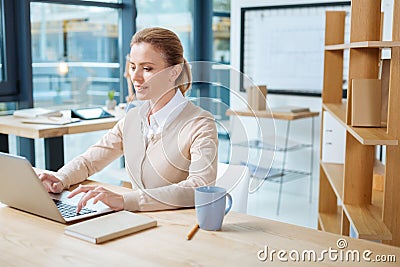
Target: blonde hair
(168, 43)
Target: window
(222, 6)
(175, 15)
(75, 54)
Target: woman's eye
(147, 68)
(133, 67)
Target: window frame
(8, 88)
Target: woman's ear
(175, 72)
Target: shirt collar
(163, 116)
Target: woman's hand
(51, 183)
(98, 193)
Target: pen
(193, 231)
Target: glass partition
(175, 15)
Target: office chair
(235, 179)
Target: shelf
(279, 146)
(366, 44)
(288, 176)
(367, 222)
(338, 111)
(334, 172)
(275, 175)
(331, 222)
(365, 135)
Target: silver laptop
(21, 188)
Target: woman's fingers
(89, 195)
(45, 181)
(113, 200)
(80, 189)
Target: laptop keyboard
(69, 211)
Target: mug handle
(229, 203)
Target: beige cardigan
(164, 174)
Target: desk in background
(28, 240)
(52, 134)
(258, 144)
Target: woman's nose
(137, 75)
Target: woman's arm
(98, 156)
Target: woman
(169, 144)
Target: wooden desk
(287, 116)
(28, 240)
(52, 134)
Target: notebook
(21, 188)
(37, 112)
(51, 120)
(111, 226)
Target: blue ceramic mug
(210, 202)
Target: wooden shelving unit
(347, 198)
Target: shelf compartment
(365, 44)
(279, 146)
(335, 173)
(366, 136)
(331, 222)
(367, 222)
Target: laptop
(21, 188)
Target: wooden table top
(28, 240)
(12, 125)
(276, 115)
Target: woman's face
(149, 73)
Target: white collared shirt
(163, 117)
